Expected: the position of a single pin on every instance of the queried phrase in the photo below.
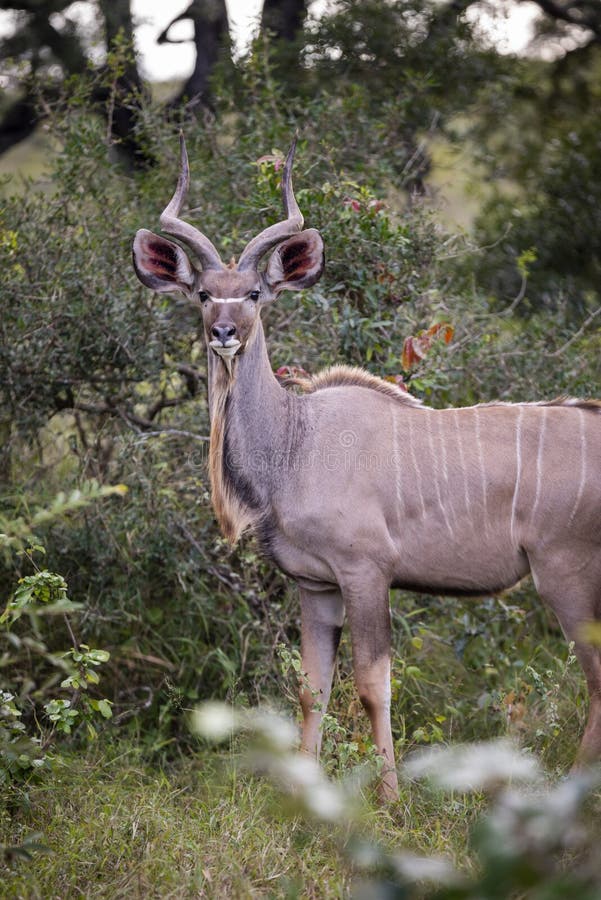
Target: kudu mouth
(226, 351)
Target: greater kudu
(354, 486)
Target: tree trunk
(284, 18)
(211, 37)
(282, 21)
(127, 87)
(37, 35)
(18, 122)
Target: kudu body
(353, 486)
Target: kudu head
(231, 296)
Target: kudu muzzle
(225, 340)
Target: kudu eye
(254, 295)
(203, 296)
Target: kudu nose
(223, 333)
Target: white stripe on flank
(466, 487)
(539, 463)
(445, 469)
(518, 471)
(418, 479)
(582, 467)
(482, 470)
(443, 448)
(429, 414)
(396, 461)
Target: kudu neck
(250, 413)
(252, 401)
(254, 375)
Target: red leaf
(415, 348)
(277, 161)
(399, 381)
(291, 372)
(442, 331)
(413, 352)
(352, 203)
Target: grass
(120, 821)
(117, 828)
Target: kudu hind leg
(322, 616)
(369, 619)
(589, 658)
(575, 606)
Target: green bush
(43, 693)
(98, 377)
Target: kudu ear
(296, 263)
(162, 265)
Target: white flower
(474, 767)
(425, 868)
(302, 778)
(214, 721)
(278, 732)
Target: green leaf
(98, 656)
(104, 708)
(413, 671)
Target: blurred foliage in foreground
(259, 819)
(533, 840)
(56, 696)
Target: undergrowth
(114, 826)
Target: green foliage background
(100, 379)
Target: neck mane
(352, 376)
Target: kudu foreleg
(322, 616)
(369, 619)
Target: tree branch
(211, 34)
